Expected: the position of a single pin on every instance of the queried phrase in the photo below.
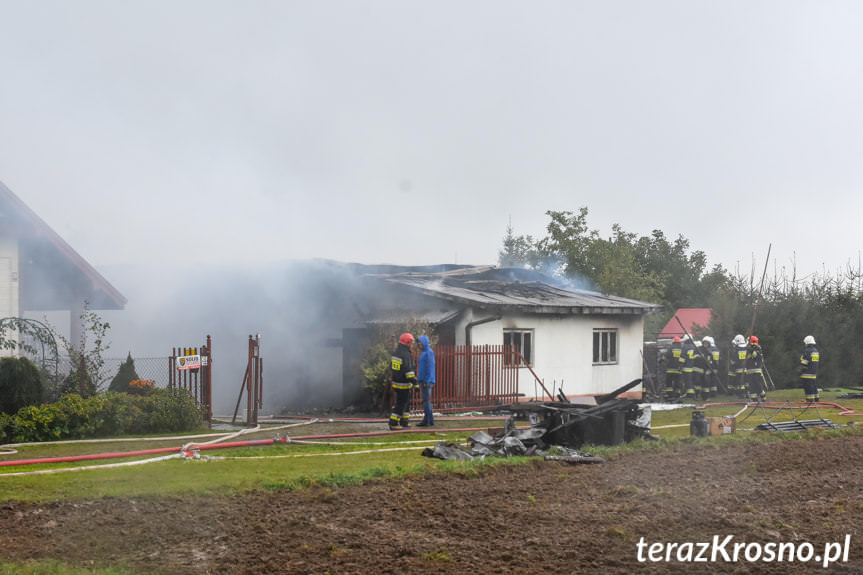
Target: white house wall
(8, 277)
(8, 284)
(563, 350)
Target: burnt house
(582, 342)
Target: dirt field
(545, 517)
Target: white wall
(8, 277)
(8, 281)
(563, 350)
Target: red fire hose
(249, 443)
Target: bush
(106, 414)
(20, 384)
(78, 382)
(125, 375)
(376, 370)
(170, 410)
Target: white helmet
(808, 340)
(707, 340)
(738, 340)
(685, 337)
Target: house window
(520, 340)
(604, 346)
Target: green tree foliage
(649, 268)
(520, 251)
(20, 384)
(125, 374)
(780, 310)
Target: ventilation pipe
(470, 326)
(468, 364)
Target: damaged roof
(514, 289)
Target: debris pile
(512, 442)
(558, 429)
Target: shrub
(376, 368)
(126, 374)
(20, 384)
(78, 382)
(106, 414)
(142, 386)
(70, 417)
(170, 410)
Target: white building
(40, 272)
(583, 342)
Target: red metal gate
(253, 383)
(196, 381)
(474, 376)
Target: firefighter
(671, 359)
(737, 366)
(755, 370)
(808, 369)
(687, 363)
(699, 366)
(404, 380)
(711, 371)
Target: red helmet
(406, 339)
(676, 339)
(753, 340)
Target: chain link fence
(156, 369)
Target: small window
(518, 340)
(604, 346)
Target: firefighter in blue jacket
(809, 369)
(404, 380)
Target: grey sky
(411, 132)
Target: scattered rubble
(558, 429)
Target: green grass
(220, 471)
(298, 466)
(295, 466)
(750, 418)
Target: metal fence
(467, 376)
(156, 369)
(474, 376)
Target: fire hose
(189, 449)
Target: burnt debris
(558, 429)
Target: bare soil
(543, 517)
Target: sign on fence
(189, 362)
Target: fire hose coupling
(280, 439)
(188, 453)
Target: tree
(568, 239)
(648, 268)
(615, 268)
(519, 251)
(125, 374)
